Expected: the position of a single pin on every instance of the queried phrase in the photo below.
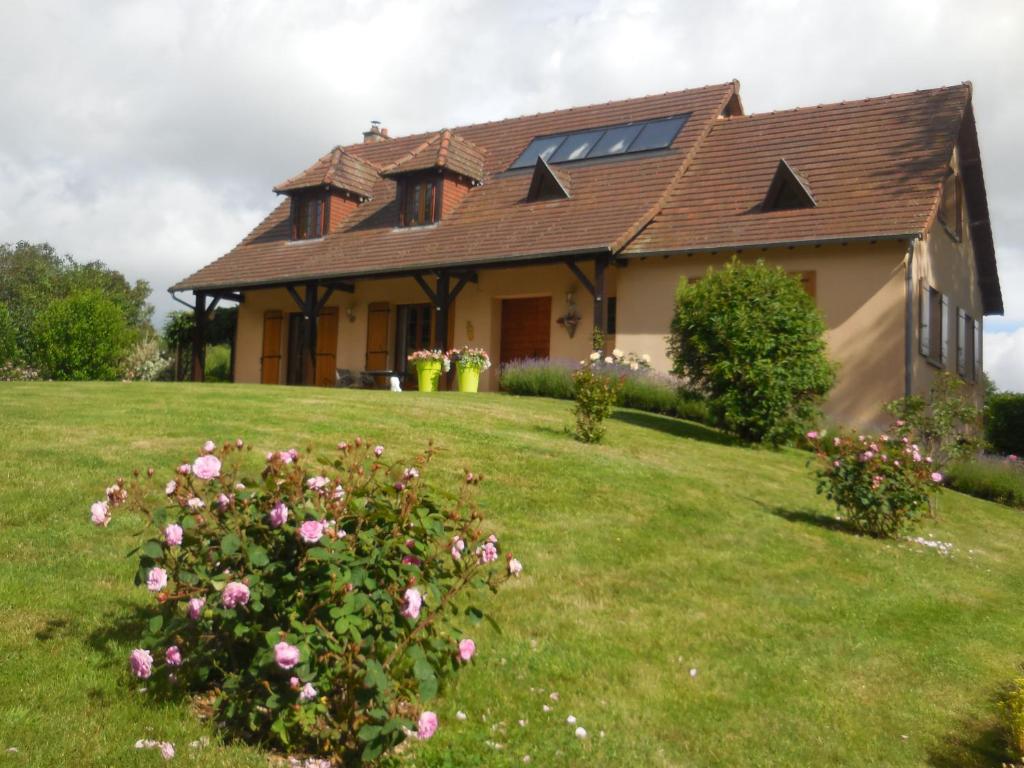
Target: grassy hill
(665, 550)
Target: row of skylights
(602, 142)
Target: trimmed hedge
(1004, 422)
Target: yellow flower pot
(429, 374)
(469, 379)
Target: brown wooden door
(326, 346)
(378, 353)
(525, 328)
(270, 362)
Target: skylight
(602, 142)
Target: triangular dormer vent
(546, 184)
(788, 190)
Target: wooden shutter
(326, 346)
(925, 309)
(378, 352)
(270, 362)
(961, 342)
(944, 341)
(977, 349)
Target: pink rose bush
(322, 605)
(881, 484)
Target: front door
(525, 328)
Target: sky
(148, 135)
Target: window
(613, 307)
(418, 202)
(412, 332)
(968, 345)
(788, 190)
(307, 217)
(934, 325)
(602, 142)
(949, 206)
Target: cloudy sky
(149, 134)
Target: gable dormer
(546, 184)
(325, 194)
(433, 178)
(788, 190)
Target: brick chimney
(375, 134)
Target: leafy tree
(33, 275)
(8, 336)
(84, 336)
(177, 336)
(751, 338)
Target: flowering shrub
(317, 605)
(431, 355)
(470, 357)
(146, 361)
(9, 371)
(947, 424)
(597, 389)
(881, 484)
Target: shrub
(317, 606)
(1012, 709)
(82, 337)
(998, 480)
(218, 362)
(751, 338)
(597, 389)
(8, 336)
(946, 425)
(1004, 422)
(538, 378)
(13, 372)
(881, 484)
(146, 361)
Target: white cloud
(1004, 359)
(157, 129)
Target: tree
(178, 329)
(751, 338)
(84, 336)
(8, 338)
(33, 275)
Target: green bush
(998, 480)
(946, 424)
(218, 362)
(1004, 422)
(82, 337)
(538, 378)
(1012, 709)
(8, 336)
(597, 392)
(752, 339)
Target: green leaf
(422, 668)
(230, 544)
(428, 688)
(258, 556)
(156, 623)
(372, 751)
(369, 732)
(474, 615)
(273, 637)
(153, 548)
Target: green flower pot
(429, 374)
(469, 379)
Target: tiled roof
(338, 169)
(446, 151)
(494, 222)
(875, 167)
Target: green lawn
(664, 549)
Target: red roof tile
(445, 151)
(337, 169)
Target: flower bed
(318, 604)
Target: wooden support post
(199, 338)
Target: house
(523, 235)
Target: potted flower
(469, 362)
(429, 364)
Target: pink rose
(308, 693)
(286, 656)
(466, 649)
(278, 515)
(173, 656)
(413, 603)
(1012, 457)
(223, 500)
(239, 443)
(141, 662)
(487, 553)
(100, 513)
(195, 607)
(311, 531)
(209, 446)
(235, 593)
(458, 545)
(936, 477)
(171, 487)
(173, 535)
(206, 467)
(317, 483)
(426, 726)
(514, 567)
(184, 469)
(156, 580)
(195, 503)
(812, 435)
(378, 451)
(295, 683)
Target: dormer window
(418, 204)
(788, 190)
(307, 216)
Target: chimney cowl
(375, 134)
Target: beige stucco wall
(859, 289)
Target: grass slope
(664, 549)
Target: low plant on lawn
(881, 484)
(316, 606)
(988, 477)
(1012, 710)
(538, 377)
(597, 386)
